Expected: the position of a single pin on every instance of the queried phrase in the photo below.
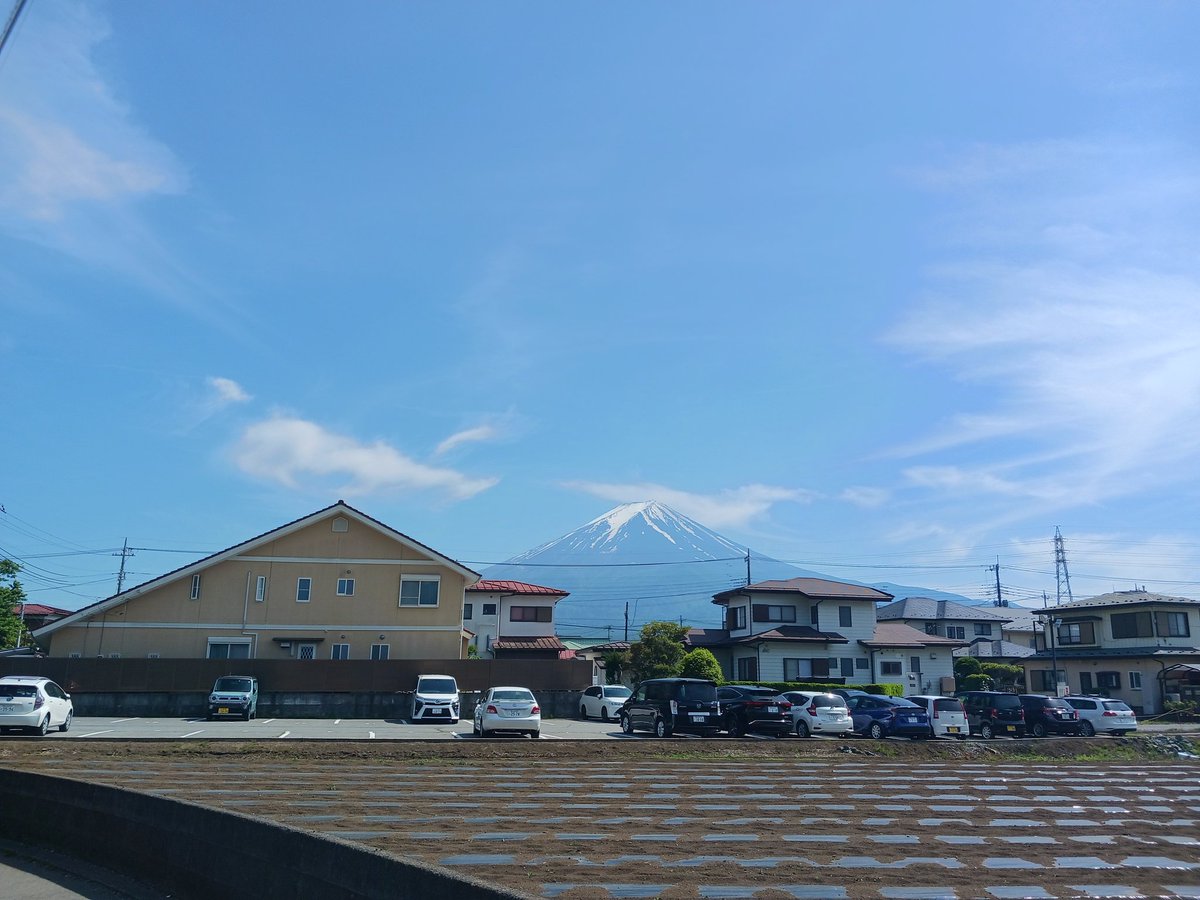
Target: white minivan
(947, 718)
(436, 699)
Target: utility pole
(11, 23)
(999, 601)
(124, 554)
(748, 567)
(627, 621)
(1061, 576)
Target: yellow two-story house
(336, 584)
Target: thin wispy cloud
(1071, 310)
(227, 391)
(303, 455)
(478, 434)
(865, 497)
(77, 164)
(732, 507)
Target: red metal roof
(40, 609)
(541, 643)
(515, 587)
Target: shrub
(978, 682)
(700, 663)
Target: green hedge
(887, 688)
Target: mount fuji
(655, 563)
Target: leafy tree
(976, 682)
(615, 663)
(12, 595)
(659, 653)
(1003, 675)
(700, 663)
(966, 665)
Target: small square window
(380, 651)
(889, 667)
(489, 609)
(419, 590)
(1135, 681)
(860, 662)
(845, 617)
(345, 587)
(340, 651)
(468, 610)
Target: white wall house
(512, 619)
(1130, 645)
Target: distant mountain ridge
(661, 563)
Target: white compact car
(1100, 714)
(947, 717)
(603, 701)
(33, 703)
(508, 709)
(436, 699)
(815, 713)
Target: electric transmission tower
(1061, 576)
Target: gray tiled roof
(996, 650)
(929, 609)
(1126, 598)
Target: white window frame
(306, 597)
(260, 589)
(343, 648)
(230, 641)
(1135, 681)
(345, 587)
(436, 579)
(381, 651)
(195, 595)
(888, 663)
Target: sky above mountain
(887, 292)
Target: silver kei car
(513, 709)
(33, 703)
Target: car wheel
(961, 737)
(66, 725)
(604, 714)
(661, 728)
(246, 715)
(1039, 730)
(583, 712)
(44, 728)
(986, 731)
(1118, 734)
(535, 734)
(876, 731)
(626, 725)
(801, 728)
(475, 728)
(734, 726)
(1087, 729)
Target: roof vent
(340, 525)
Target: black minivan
(992, 713)
(667, 705)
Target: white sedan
(33, 703)
(603, 701)
(818, 713)
(508, 709)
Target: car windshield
(512, 694)
(18, 690)
(232, 684)
(1005, 701)
(759, 692)
(947, 705)
(437, 686)
(697, 691)
(1117, 706)
(829, 701)
(899, 701)
(1056, 703)
(618, 693)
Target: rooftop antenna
(1061, 576)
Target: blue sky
(887, 290)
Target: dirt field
(726, 819)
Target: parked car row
(666, 706)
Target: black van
(992, 713)
(667, 705)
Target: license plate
(952, 729)
(222, 710)
(772, 709)
(437, 710)
(1011, 727)
(698, 718)
(511, 713)
(8, 709)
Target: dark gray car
(667, 705)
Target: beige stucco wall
(164, 620)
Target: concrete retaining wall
(192, 851)
(390, 705)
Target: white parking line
(193, 733)
(337, 721)
(551, 737)
(457, 736)
(370, 734)
(119, 721)
(267, 721)
(94, 733)
(285, 734)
